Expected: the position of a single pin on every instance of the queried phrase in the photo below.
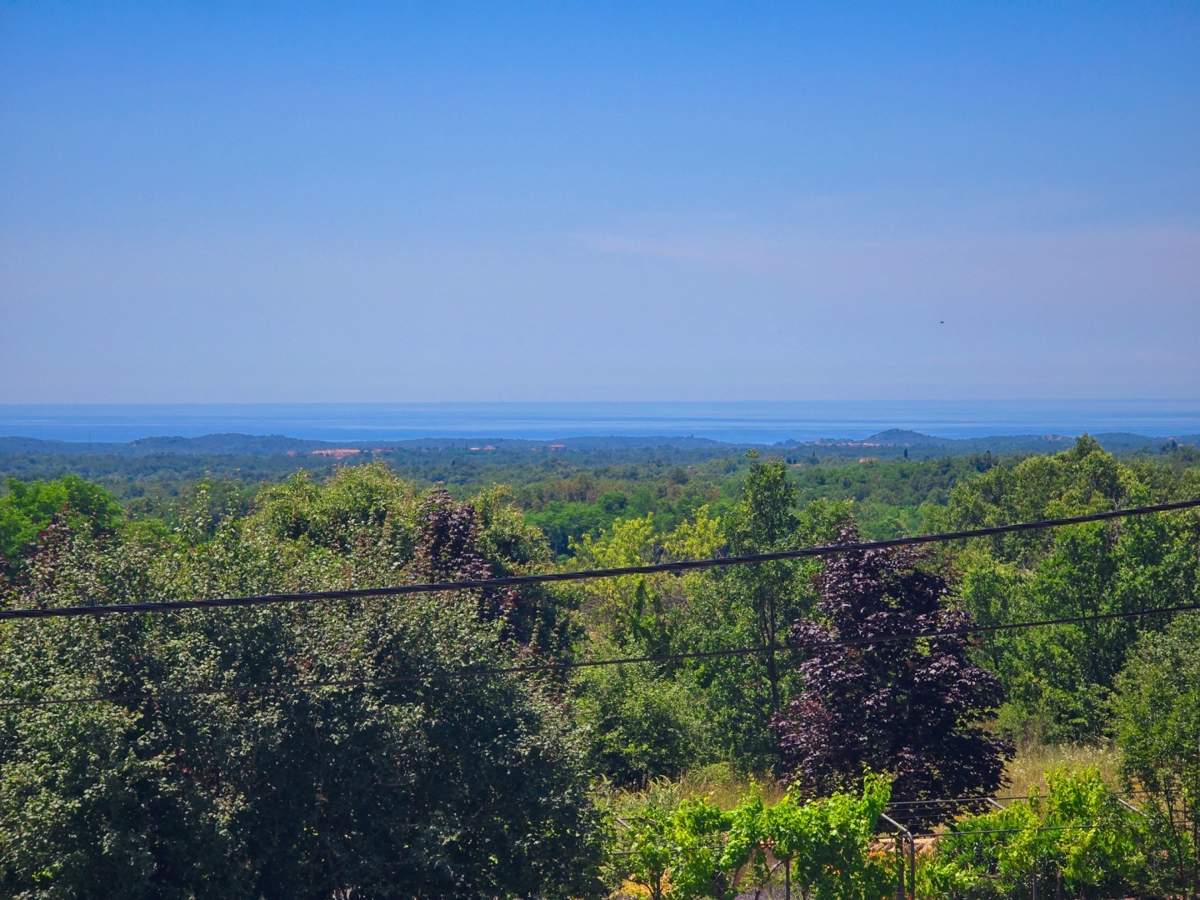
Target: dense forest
(300, 750)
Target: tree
(754, 606)
(634, 612)
(28, 508)
(1057, 681)
(414, 788)
(650, 719)
(1157, 708)
(914, 708)
(641, 722)
(763, 522)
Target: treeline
(559, 488)
(214, 771)
(565, 495)
(462, 467)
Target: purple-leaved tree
(914, 709)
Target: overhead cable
(349, 683)
(951, 800)
(946, 834)
(579, 575)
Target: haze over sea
(748, 422)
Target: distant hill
(886, 444)
(894, 442)
(208, 445)
(1121, 441)
(271, 445)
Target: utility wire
(943, 834)
(945, 800)
(582, 575)
(592, 663)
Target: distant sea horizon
(736, 422)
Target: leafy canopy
(1157, 709)
(475, 789)
(915, 709)
(27, 508)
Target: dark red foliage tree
(448, 550)
(446, 540)
(915, 709)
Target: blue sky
(426, 202)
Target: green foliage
(725, 703)
(642, 723)
(677, 852)
(694, 849)
(648, 859)
(682, 477)
(564, 524)
(570, 509)
(203, 503)
(633, 611)
(891, 498)
(697, 838)
(1078, 836)
(755, 606)
(647, 720)
(26, 509)
(480, 788)
(1058, 680)
(824, 845)
(413, 788)
(1157, 709)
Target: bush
(641, 724)
(691, 848)
(470, 788)
(1077, 837)
(1158, 727)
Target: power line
(582, 575)
(945, 834)
(951, 800)
(538, 668)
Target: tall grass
(720, 783)
(723, 785)
(1028, 769)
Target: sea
(736, 422)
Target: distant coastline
(885, 445)
(761, 423)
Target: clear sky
(644, 201)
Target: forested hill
(163, 466)
(271, 445)
(897, 442)
(568, 488)
(891, 443)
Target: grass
(719, 783)
(722, 785)
(1028, 769)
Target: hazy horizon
(752, 422)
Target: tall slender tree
(765, 521)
